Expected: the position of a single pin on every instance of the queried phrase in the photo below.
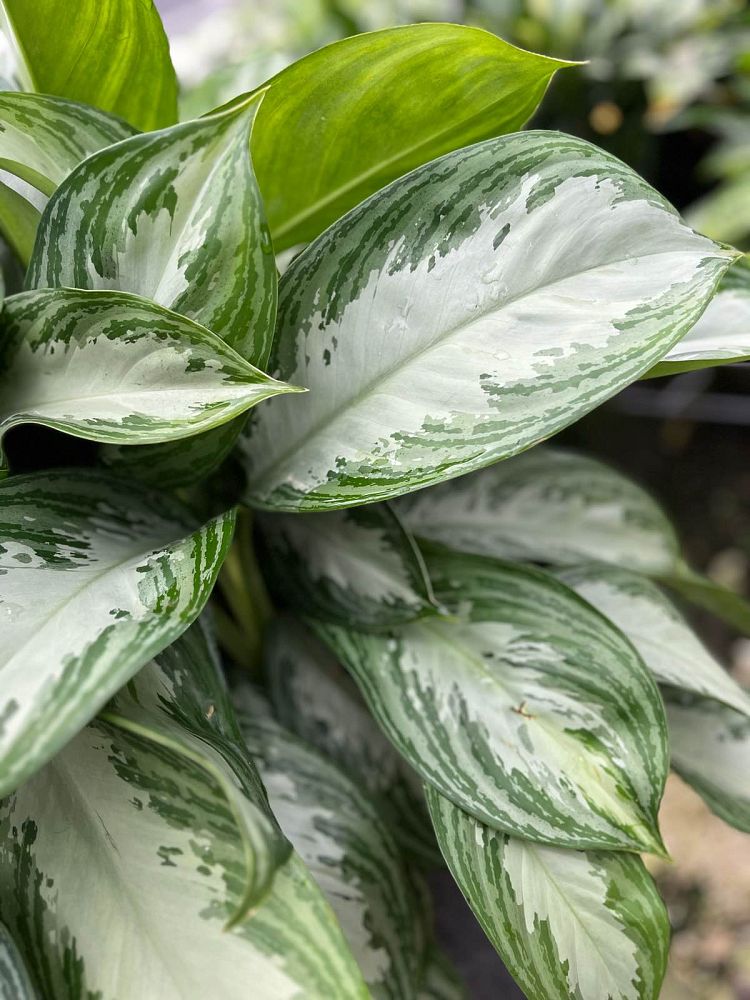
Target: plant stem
(242, 585)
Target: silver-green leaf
(174, 216)
(114, 367)
(358, 566)
(529, 710)
(97, 577)
(434, 345)
(569, 925)
(15, 983)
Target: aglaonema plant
(426, 656)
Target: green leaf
(440, 981)
(548, 505)
(174, 216)
(98, 577)
(665, 641)
(430, 345)
(588, 925)
(358, 567)
(710, 746)
(529, 710)
(15, 983)
(722, 334)
(127, 811)
(18, 222)
(112, 55)
(351, 853)
(731, 607)
(109, 366)
(43, 138)
(385, 103)
(313, 697)
(180, 703)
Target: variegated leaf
(109, 366)
(710, 746)
(43, 138)
(180, 703)
(350, 851)
(314, 698)
(568, 924)
(15, 983)
(667, 645)
(174, 216)
(97, 577)
(149, 830)
(385, 102)
(548, 505)
(440, 980)
(358, 566)
(722, 334)
(529, 710)
(113, 55)
(433, 348)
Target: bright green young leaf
(710, 747)
(115, 367)
(19, 220)
(43, 138)
(97, 577)
(548, 505)
(440, 981)
(431, 345)
(568, 924)
(174, 216)
(314, 697)
(179, 702)
(529, 710)
(15, 983)
(112, 55)
(359, 566)
(348, 848)
(123, 811)
(385, 103)
(722, 334)
(667, 644)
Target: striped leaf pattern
(43, 138)
(658, 631)
(112, 55)
(568, 924)
(722, 334)
(127, 811)
(347, 847)
(710, 746)
(174, 216)
(385, 102)
(529, 710)
(432, 348)
(115, 367)
(549, 505)
(15, 983)
(98, 577)
(358, 566)
(313, 697)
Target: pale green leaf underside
(97, 577)
(385, 103)
(722, 334)
(180, 703)
(548, 505)
(350, 851)
(152, 831)
(710, 747)
(15, 983)
(114, 367)
(314, 697)
(665, 641)
(43, 138)
(356, 566)
(174, 216)
(528, 710)
(567, 924)
(430, 345)
(111, 55)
